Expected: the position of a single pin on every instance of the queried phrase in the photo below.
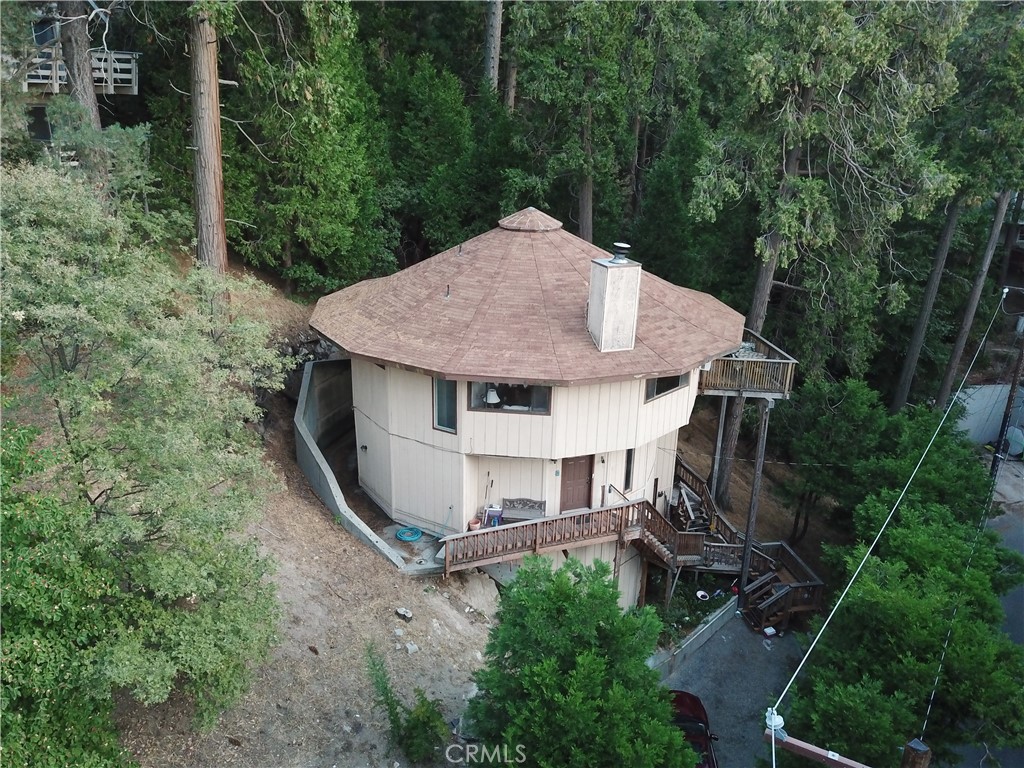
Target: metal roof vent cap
(620, 253)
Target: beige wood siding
(370, 388)
(370, 392)
(375, 475)
(652, 461)
(503, 433)
(428, 486)
(602, 418)
(629, 567)
(412, 410)
(585, 420)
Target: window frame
(454, 394)
(651, 386)
(529, 411)
(627, 480)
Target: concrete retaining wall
(325, 400)
(666, 661)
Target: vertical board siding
(375, 472)
(370, 392)
(412, 410)
(429, 494)
(513, 478)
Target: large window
(445, 405)
(666, 384)
(522, 398)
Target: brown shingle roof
(510, 305)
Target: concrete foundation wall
(316, 379)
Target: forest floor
(311, 702)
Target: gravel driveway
(738, 676)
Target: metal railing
(113, 72)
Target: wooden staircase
(781, 583)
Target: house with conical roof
(523, 392)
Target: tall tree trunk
(1002, 202)
(755, 322)
(492, 43)
(634, 170)
(924, 314)
(74, 43)
(511, 73)
(1012, 233)
(208, 175)
(587, 186)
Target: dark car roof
(692, 719)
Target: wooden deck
(622, 523)
(782, 584)
(757, 369)
(113, 72)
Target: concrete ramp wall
(325, 400)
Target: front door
(577, 475)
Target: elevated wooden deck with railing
(113, 72)
(757, 369)
(782, 584)
(621, 523)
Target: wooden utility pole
(817, 754)
(916, 755)
(765, 407)
(208, 174)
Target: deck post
(765, 407)
(716, 460)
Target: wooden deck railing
(758, 368)
(112, 72)
(623, 522)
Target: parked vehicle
(692, 720)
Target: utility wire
(888, 518)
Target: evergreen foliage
(128, 562)
(566, 675)
(934, 571)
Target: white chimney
(614, 299)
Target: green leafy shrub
(419, 731)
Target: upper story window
(665, 384)
(45, 31)
(522, 398)
(445, 405)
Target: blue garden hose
(408, 534)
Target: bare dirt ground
(311, 703)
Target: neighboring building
(113, 72)
(526, 364)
